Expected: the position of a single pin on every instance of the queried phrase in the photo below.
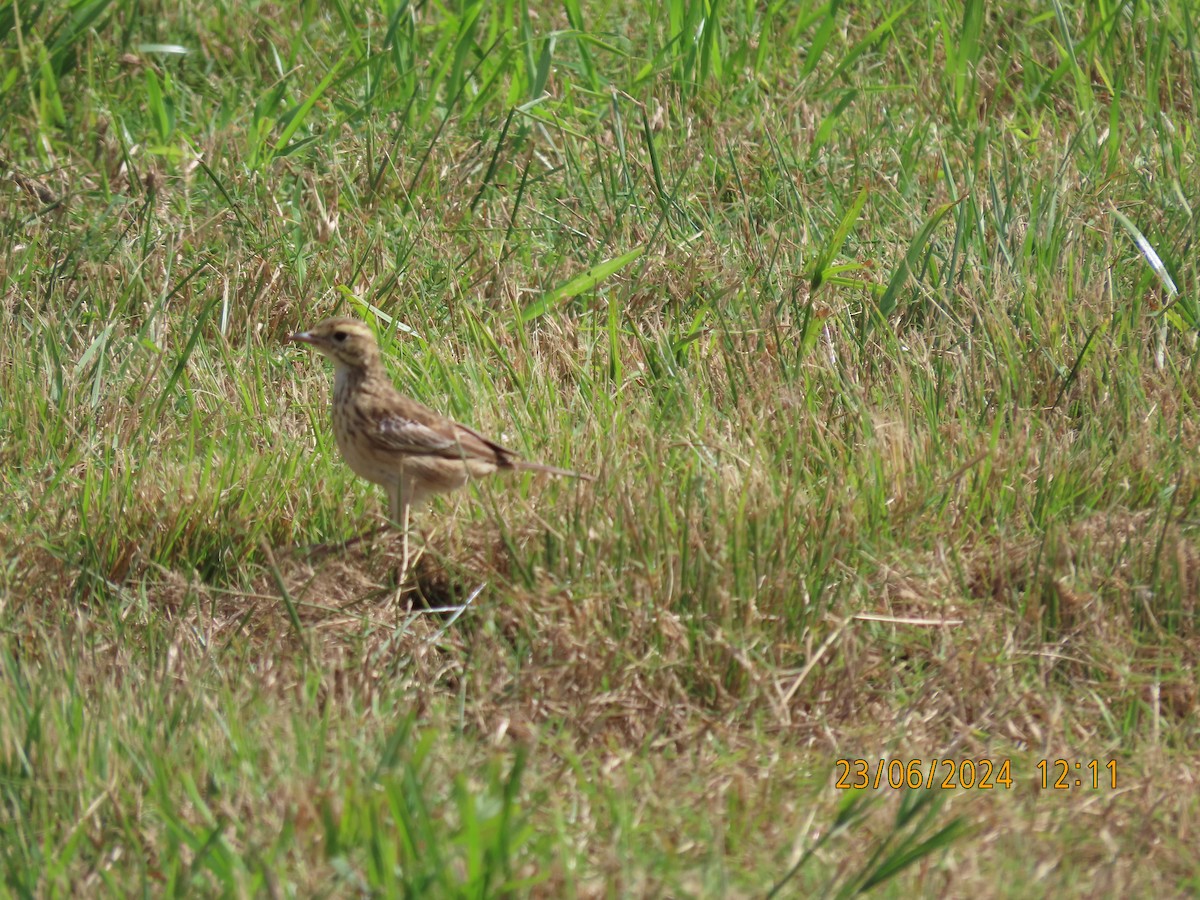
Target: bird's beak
(302, 337)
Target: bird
(393, 440)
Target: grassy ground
(876, 324)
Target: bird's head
(349, 343)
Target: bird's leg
(404, 558)
(399, 503)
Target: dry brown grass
(815, 536)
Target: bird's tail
(549, 470)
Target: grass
(876, 324)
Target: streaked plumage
(393, 440)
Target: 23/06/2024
(982, 774)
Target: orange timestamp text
(944, 774)
(971, 774)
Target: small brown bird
(393, 440)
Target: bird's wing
(483, 446)
(398, 424)
(398, 433)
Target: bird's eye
(339, 336)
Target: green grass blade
(580, 284)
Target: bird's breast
(350, 431)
